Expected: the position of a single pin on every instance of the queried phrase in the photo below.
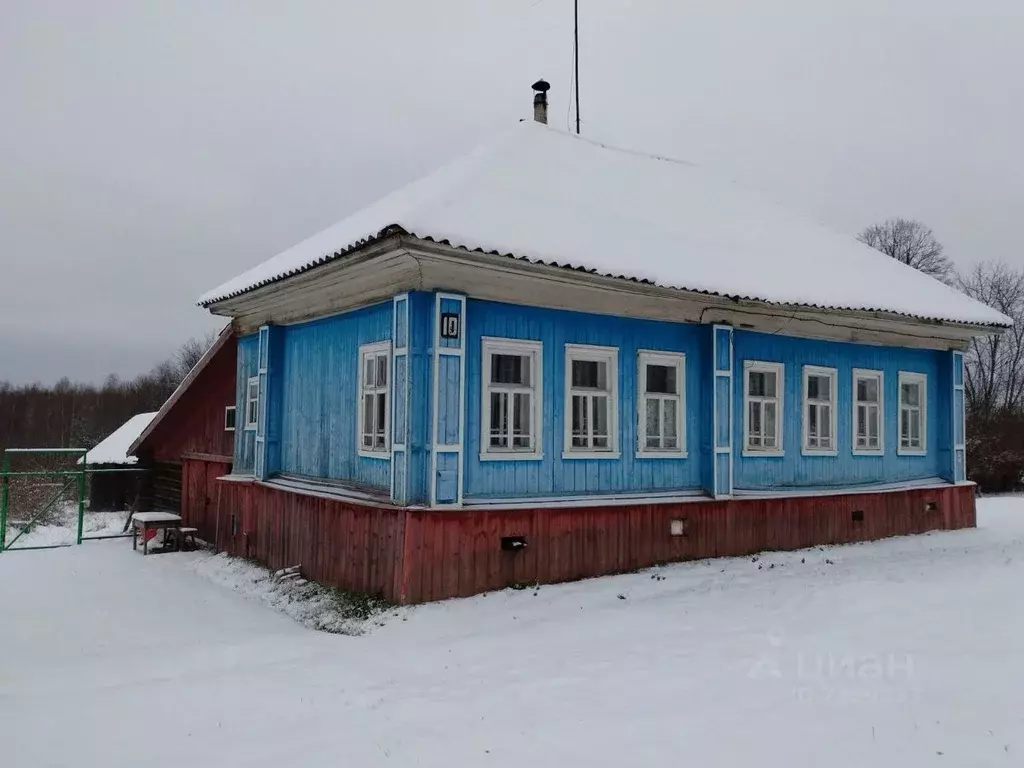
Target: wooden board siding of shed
(192, 419)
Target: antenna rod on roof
(576, 56)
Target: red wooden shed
(190, 441)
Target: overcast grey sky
(151, 150)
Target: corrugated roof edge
(397, 229)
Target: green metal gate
(71, 478)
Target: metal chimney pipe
(540, 101)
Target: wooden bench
(148, 521)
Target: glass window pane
(499, 420)
(915, 427)
(812, 420)
(367, 414)
(825, 413)
(521, 420)
(661, 379)
(873, 424)
(382, 406)
(870, 390)
(668, 407)
(510, 369)
(585, 374)
(755, 384)
(382, 371)
(813, 383)
(825, 387)
(600, 414)
(769, 384)
(652, 421)
(911, 394)
(755, 418)
(769, 421)
(368, 372)
(579, 421)
(904, 424)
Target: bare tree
(994, 376)
(191, 352)
(910, 242)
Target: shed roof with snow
(545, 196)
(114, 449)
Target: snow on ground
(906, 652)
(64, 531)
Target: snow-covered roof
(114, 449)
(543, 195)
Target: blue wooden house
(553, 358)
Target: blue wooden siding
(553, 475)
(448, 362)
(320, 399)
(845, 469)
(421, 370)
(312, 380)
(245, 439)
(723, 412)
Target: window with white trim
(591, 401)
(510, 403)
(229, 418)
(762, 401)
(374, 411)
(913, 412)
(252, 402)
(819, 409)
(868, 411)
(661, 403)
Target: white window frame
(374, 350)
(831, 374)
(609, 356)
(251, 385)
(234, 411)
(675, 360)
(779, 369)
(911, 377)
(522, 348)
(868, 373)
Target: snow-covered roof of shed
(546, 196)
(114, 448)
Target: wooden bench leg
(145, 539)
(135, 537)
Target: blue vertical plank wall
(272, 398)
(320, 398)
(959, 426)
(245, 439)
(262, 419)
(449, 395)
(400, 401)
(421, 307)
(723, 410)
(793, 469)
(552, 475)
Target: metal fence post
(81, 500)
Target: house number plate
(449, 325)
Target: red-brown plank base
(416, 555)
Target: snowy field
(907, 652)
